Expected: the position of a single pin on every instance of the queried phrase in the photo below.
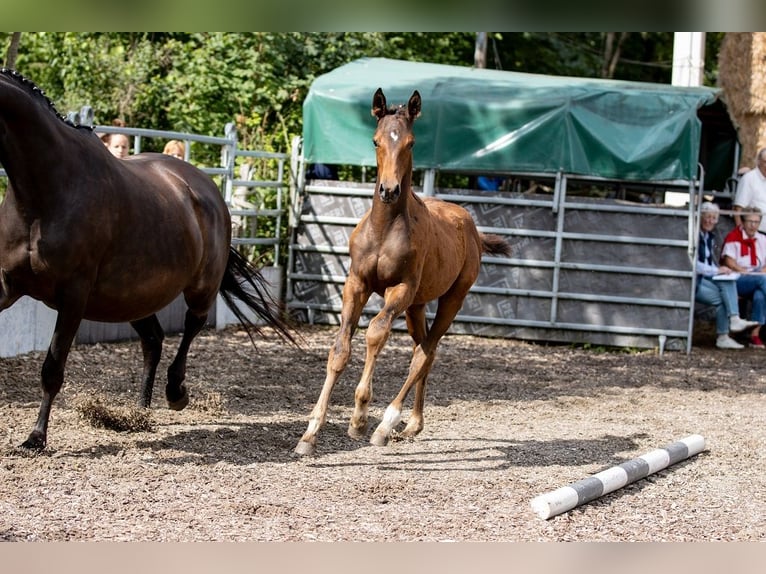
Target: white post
(688, 58)
(228, 156)
(429, 178)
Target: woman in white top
(751, 189)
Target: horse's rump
(168, 225)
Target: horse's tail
(495, 245)
(244, 282)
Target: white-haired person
(721, 294)
(744, 251)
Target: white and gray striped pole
(568, 497)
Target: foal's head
(393, 142)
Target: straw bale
(742, 76)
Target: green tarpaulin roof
(489, 120)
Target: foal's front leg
(355, 296)
(423, 356)
(397, 299)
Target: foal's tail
(243, 281)
(495, 245)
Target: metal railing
(233, 175)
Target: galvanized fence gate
(596, 271)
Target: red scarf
(748, 244)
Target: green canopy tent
(479, 120)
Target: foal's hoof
(180, 404)
(304, 448)
(357, 434)
(379, 439)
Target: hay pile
(121, 418)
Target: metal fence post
(297, 181)
(228, 155)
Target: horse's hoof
(180, 404)
(34, 442)
(357, 434)
(379, 439)
(304, 448)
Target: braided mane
(36, 92)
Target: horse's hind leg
(151, 334)
(175, 391)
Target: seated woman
(744, 251)
(720, 294)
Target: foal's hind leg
(175, 391)
(151, 334)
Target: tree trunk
(480, 53)
(612, 53)
(13, 51)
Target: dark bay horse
(409, 250)
(108, 239)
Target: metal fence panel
(585, 270)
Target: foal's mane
(36, 92)
(400, 110)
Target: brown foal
(410, 250)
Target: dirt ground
(505, 421)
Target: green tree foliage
(643, 56)
(199, 82)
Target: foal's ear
(413, 106)
(379, 108)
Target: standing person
(175, 148)
(751, 189)
(118, 144)
(744, 251)
(721, 294)
(322, 171)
